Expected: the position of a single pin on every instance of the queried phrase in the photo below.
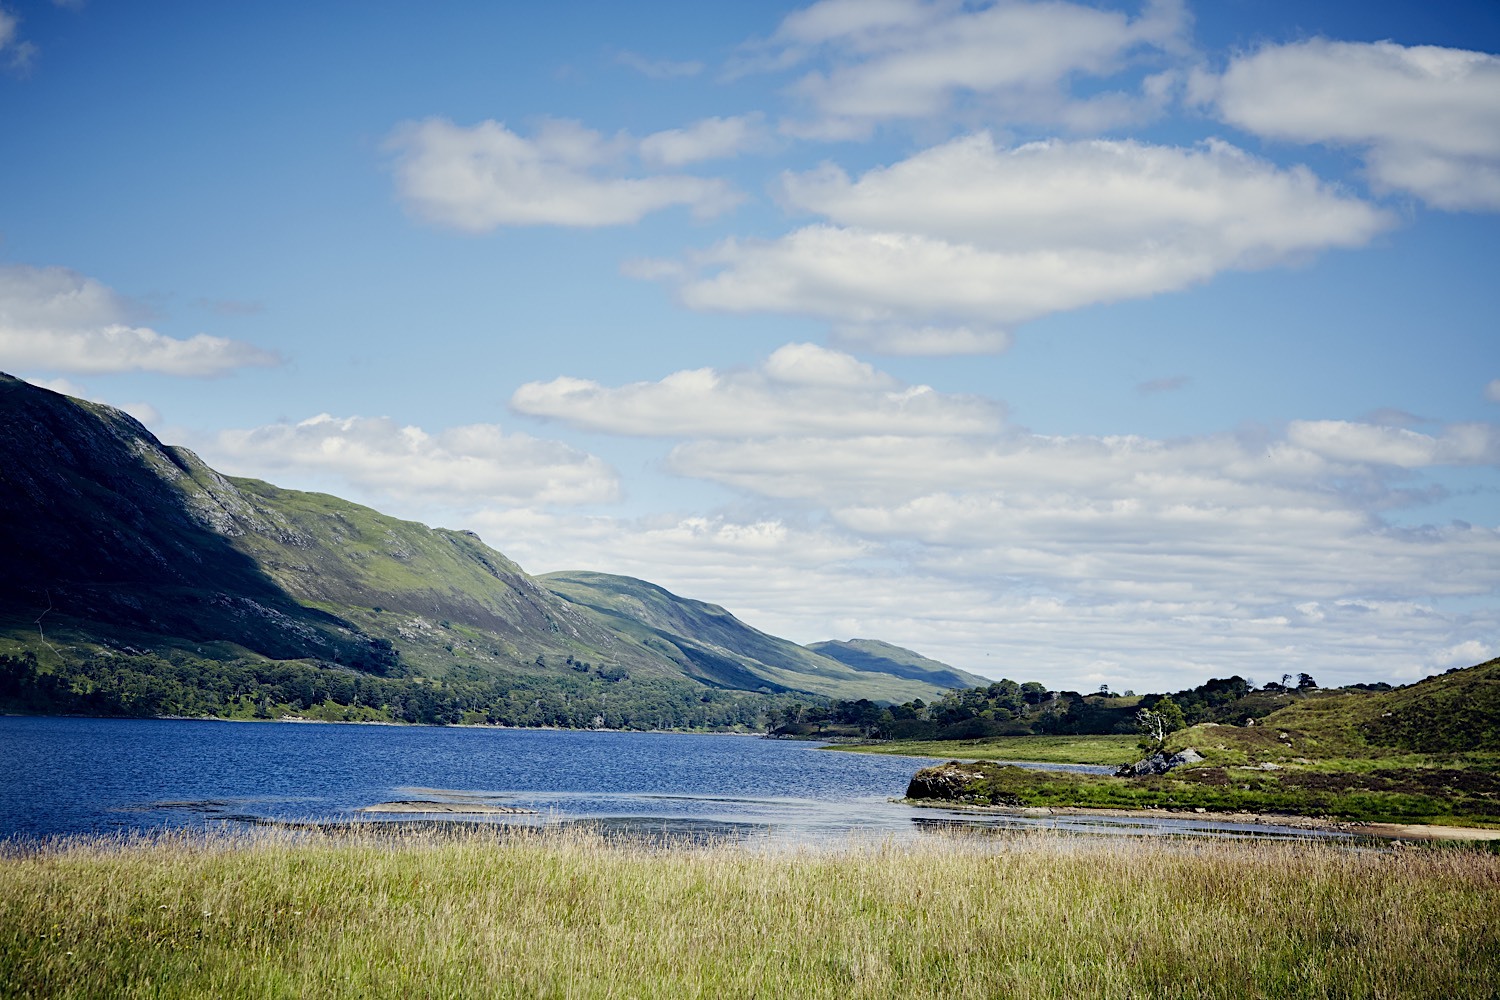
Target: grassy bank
(1426, 753)
(554, 915)
(1110, 750)
(1444, 796)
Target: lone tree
(1155, 723)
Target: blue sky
(1098, 342)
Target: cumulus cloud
(708, 139)
(1345, 441)
(481, 177)
(1256, 531)
(914, 59)
(1427, 119)
(1223, 469)
(1258, 535)
(454, 468)
(1020, 617)
(801, 388)
(1464, 654)
(1148, 562)
(1213, 540)
(55, 319)
(945, 252)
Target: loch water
(66, 776)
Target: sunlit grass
(1111, 750)
(573, 915)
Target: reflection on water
(71, 776)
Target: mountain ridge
(104, 528)
(712, 639)
(877, 656)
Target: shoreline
(1382, 831)
(303, 720)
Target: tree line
(1009, 708)
(176, 683)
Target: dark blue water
(103, 776)
(62, 776)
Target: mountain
(874, 656)
(102, 523)
(113, 544)
(714, 647)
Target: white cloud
(55, 319)
(1492, 391)
(1010, 552)
(1255, 537)
(1176, 559)
(1464, 654)
(62, 385)
(15, 55)
(801, 388)
(810, 582)
(1344, 441)
(460, 467)
(1426, 118)
(485, 176)
(894, 59)
(948, 250)
(144, 412)
(708, 139)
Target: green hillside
(874, 656)
(717, 648)
(1427, 752)
(126, 559)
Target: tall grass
(540, 914)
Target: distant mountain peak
(877, 656)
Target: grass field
(1111, 750)
(570, 915)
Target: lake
(62, 776)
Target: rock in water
(959, 782)
(943, 781)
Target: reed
(548, 914)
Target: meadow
(1112, 749)
(547, 914)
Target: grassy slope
(351, 559)
(883, 657)
(1108, 750)
(546, 916)
(1429, 752)
(138, 544)
(719, 646)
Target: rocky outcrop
(957, 782)
(1158, 763)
